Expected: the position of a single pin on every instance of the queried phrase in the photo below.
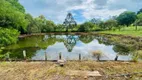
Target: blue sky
(82, 10)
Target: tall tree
(126, 18)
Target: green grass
(130, 31)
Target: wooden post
(80, 57)
(116, 58)
(7, 56)
(60, 56)
(45, 56)
(98, 57)
(24, 54)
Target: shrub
(137, 55)
(97, 53)
(8, 36)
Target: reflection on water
(70, 46)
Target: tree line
(125, 19)
(15, 21)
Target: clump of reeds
(97, 53)
(136, 56)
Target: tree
(11, 17)
(43, 25)
(139, 16)
(140, 11)
(120, 50)
(69, 22)
(85, 27)
(95, 21)
(31, 23)
(86, 38)
(60, 27)
(138, 21)
(102, 25)
(109, 24)
(126, 18)
(40, 23)
(17, 5)
(49, 27)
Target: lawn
(129, 31)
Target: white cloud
(56, 10)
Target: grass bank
(52, 71)
(128, 31)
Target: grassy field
(52, 71)
(129, 31)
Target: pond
(68, 47)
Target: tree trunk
(136, 27)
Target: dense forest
(14, 20)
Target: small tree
(102, 25)
(86, 27)
(138, 21)
(110, 24)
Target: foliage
(17, 5)
(60, 27)
(11, 17)
(121, 49)
(8, 36)
(31, 23)
(126, 18)
(95, 21)
(86, 38)
(140, 11)
(139, 20)
(135, 56)
(50, 26)
(109, 24)
(35, 25)
(43, 25)
(86, 27)
(102, 25)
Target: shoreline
(79, 33)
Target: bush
(86, 27)
(8, 36)
(97, 53)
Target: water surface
(69, 46)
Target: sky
(82, 10)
